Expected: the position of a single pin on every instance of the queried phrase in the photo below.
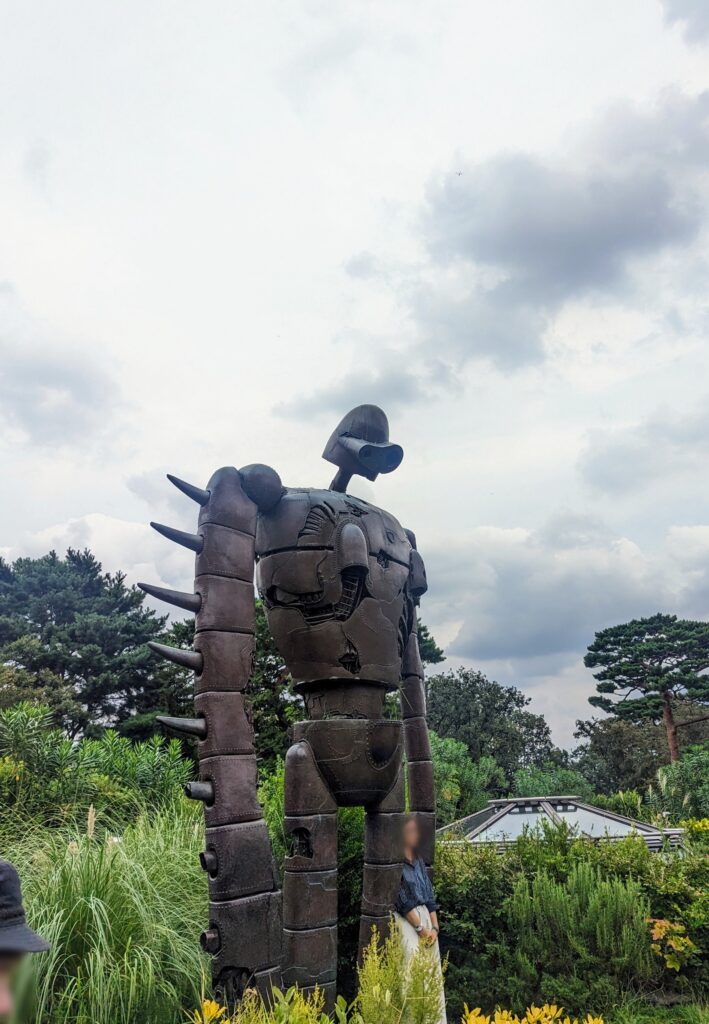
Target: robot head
(360, 445)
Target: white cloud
(52, 395)
(693, 15)
(662, 447)
(212, 218)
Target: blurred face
(7, 967)
(411, 835)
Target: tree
(275, 705)
(648, 668)
(617, 755)
(167, 690)
(551, 780)
(74, 637)
(462, 785)
(431, 653)
(490, 719)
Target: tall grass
(123, 915)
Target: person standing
(16, 937)
(416, 907)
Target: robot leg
(383, 856)
(310, 880)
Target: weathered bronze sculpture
(340, 581)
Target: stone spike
(186, 726)
(193, 541)
(197, 494)
(188, 659)
(190, 602)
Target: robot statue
(340, 581)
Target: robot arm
(244, 933)
(422, 798)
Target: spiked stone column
(244, 933)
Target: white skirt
(411, 942)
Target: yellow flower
(211, 1013)
(550, 1013)
(546, 1014)
(474, 1016)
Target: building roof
(503, 821)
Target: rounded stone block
(413, 698)
(422, 792)
(312, 842)
(228, 504)
(309, 899)
(225, 552)
(416, 740)
(310, 957)
(227, 604)
(305, 788)
(383, 838)
(265, 981)
(228, 720)
(238, 860)
(380, 888)
(247, 933)
(227, 659)
(369, 926)
(235, 781)
(427, 828)
(411, 664)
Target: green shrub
(578, 943)
(682, 788)
(462, 785)
(627, 802)
(491, 961)
(46, 775)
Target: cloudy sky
(223, 224)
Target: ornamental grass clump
(122, 914)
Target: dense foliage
(490, 719)
(49, 777)
(74, 637)
(551, 778)
(462, 785)
(563, 921)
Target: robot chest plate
(333, 574)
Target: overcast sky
(224, 224)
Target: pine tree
(650, 668)
(73, 637)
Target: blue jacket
(416, 889)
